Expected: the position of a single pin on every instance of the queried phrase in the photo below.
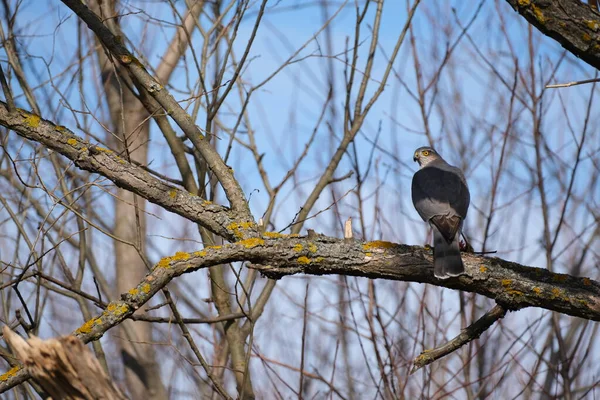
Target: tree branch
(114, 45)
(572, 23)
(218, 219)
(467, 335)
(512, 285)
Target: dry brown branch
(63, 367)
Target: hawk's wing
(441, 196)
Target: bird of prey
(441, 197)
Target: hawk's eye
(425, 153)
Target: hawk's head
(425, 155)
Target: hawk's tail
(446, 256)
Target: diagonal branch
(216, 218)
(467, 335)
(572, 23)
(115, 46)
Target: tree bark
(572, 23)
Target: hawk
(441, 197)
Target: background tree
(162, 162)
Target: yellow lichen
(180, 255)
(538, 14)
(72, 142)
(587, 281)
(537, 290)
(506, 282)
(84, 149)
(482, 269)
(294, 235)
(32, 120)
(303, 260)
(146, 288)
(422, 359)
(312, 247)
(103, 150)
(298, 247)
(318, 259)
(201, 253)
(164, 262)
(172, 193)
(87, 327)
(133, 292)
(126, 59)
(586, 37)
(10, 373)
(115, 309)
(368, 254)
(60, 128)
(378, 244)
(592, 24)
(274, 235)
(556, 292)
(252, 242)
(238, 228)
(524, 3)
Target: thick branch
(513, 286)
(216, 218)
(572, 23)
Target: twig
(574, 83)
(7, 94)
(467, 335)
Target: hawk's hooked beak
(415, 159)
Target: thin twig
(467, 335)
(574, 83)
(10, 102)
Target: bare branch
(467, 335)
(572, 23)
(513, 286)
(100, 160)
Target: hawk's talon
(465, 247)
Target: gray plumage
(441, 197)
